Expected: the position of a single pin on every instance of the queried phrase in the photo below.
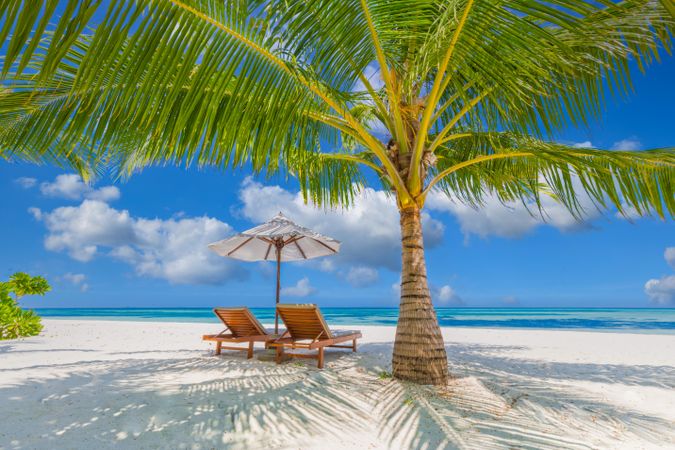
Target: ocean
(649, 320)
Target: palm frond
(270, 84)
(325, 180)
(546, 64)
(515, 167)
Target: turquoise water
(646, 320)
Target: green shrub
(384, 375)
(14, 321)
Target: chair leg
(320, 365)
(354, 346)
(249, 355)
(280, 352)
(218, 345)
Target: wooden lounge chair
(242, 326)
(306, 329)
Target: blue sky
(143, 242)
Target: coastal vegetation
(16, 322)
(454, 98)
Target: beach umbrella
(280, 240)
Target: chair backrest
(304, 321)
(240, 321)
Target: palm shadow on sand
(201, 401)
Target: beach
(130, 384)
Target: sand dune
(103, 384)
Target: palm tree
(454, 97)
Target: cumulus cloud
(35, 212)
(361, 276)
(369, 230)
(68, 186)
(327, 265)
(446, 295)
(662, 290)
(71, 187)
(174, 250)
(104, 194)
(77, 279)
(585, 144)
(512, 219)
(629, 213)
(669, 254)
(443, 296)
(630, 144)
(301, 289)
(26, 182)
(396, 288)
(493, 218)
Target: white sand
(104, 384)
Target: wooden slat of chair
(240, 321)
(306, 323)
(242, 326)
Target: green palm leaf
(523, 168)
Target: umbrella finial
(280, 216)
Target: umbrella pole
(276, 314)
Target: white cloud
(173, 250)
(71, 187)
(443, 296)
(669, 254)
(361, 276)
(493, 218)
(327, 264)
(630, 144)
(513, 219)
(68, 186)
(629, 213)
(26, 182)
(369, 230)
(585, 144)
(447, 295)
(662, 290)
(396, 288)
(35, 212)
(301, 289)
(80, 230)
(104, 194)
(77, 279)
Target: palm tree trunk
(419, 352)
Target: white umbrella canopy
(279, 239)
(260, 243)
